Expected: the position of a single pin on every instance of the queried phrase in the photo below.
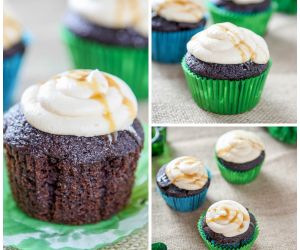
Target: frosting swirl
(12, 30)
(239, 146)
(228, 218)
(187, 173)
(118, 14)
(80, 103)
(247, 1)
(225, 43)
(187, 11)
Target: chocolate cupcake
(226, 68)
(228, 225)
(111, 35)
(250, 14)
(240, 155)
(14, 44)
(174, 22)
(72, 147)
(183, 183)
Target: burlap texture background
(272, 197)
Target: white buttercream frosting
(80, 103)
(114, 13)
(12, 30)
(187, 173)
(228, 217)
(239, 146)
(247, 1)
(226, 43)
(188, 11)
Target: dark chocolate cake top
(76, 149)
(244, 6)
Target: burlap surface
(272, 197)
(172, 102)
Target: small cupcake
(240, 155)
(183, 183)
(226, 68)
(14, 43)
(287, 6)
(111, 35)
(174, 22)
(72, 147)
(250, 14)
(284, 134)
(228, 225)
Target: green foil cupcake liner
(287, 6)
(284, 134)
(211, 246)
(239, 177)
(225, 97)
(130, 64)
(256, 22)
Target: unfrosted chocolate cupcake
(183, 183)
(228, 225)
(240, 155)
(72, 147)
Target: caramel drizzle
(81, 76)
(240, 44)
(188, 6)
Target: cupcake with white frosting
(111, 35)
(226, 67)
(183, 183)
(72, 147)
(14, 44)
(174, 22)
(251, 14)
(228, 225)
(240, 155)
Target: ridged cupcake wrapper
(284, 134)
(239, 177)
(170, 47)
(287, 6)
(225, 97)
(211, 246)
(256, 22)
(186, 204)
(130, 64)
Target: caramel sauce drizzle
(240, 44)
(81, 76)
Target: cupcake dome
(226, 67)
(239, 155)
(174, 22)
(183, 183)
(111, 35)
(250, 14)
(72, 147)
(13, 50)
(228, 225)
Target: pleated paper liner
(287, 6)
(239, 177)
(188, 203)
(225, 97)
(256, 22)
(130, 64)
(211, 246)
(284, 134)
(170, 47)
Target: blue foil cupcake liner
(186, 204)
(170, 47)
(11, 68)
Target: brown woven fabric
(272, 197)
